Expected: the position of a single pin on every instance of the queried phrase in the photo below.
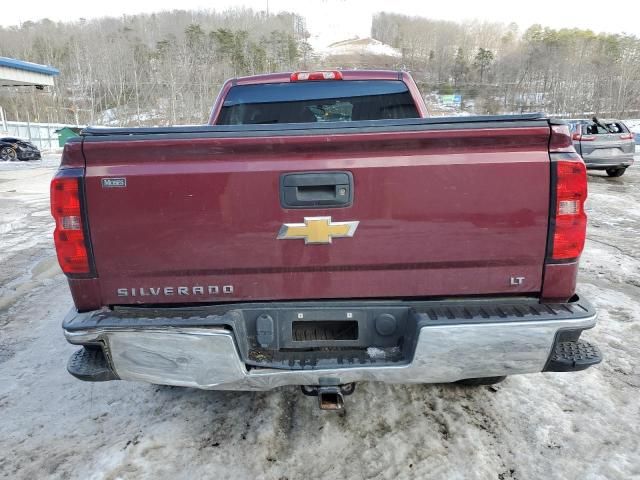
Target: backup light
(72, 222)
(568, 207)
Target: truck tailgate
(443, 209)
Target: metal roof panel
(28, 66)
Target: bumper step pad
(90, 365)
(573, 356)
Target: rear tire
(476, 382)
(616, 172)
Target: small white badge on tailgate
(114, 182)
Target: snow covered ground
(633, 124)
(49, 159)
(584, 425)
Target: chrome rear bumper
(209, 357)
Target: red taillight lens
(570, 222)
(68, 236)
(583, 138)
(322, 75)
(626, 136)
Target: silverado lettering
(168, 291)
(452, 215)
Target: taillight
(626, 136)
(569, 220)
(69, 235)
(583, 138)
(321, 75)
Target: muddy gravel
(584, 425)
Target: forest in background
(568, 72)
(160, 68)
(166, 68)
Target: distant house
(65, 133)
(360, 53)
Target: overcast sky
(339, 19)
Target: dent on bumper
(208, 357)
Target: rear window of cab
(317, 101)
(604, 128)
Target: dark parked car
(12, 148)
(603, 144)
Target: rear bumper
(601, 163)
(442, 342)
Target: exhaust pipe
(330, 397)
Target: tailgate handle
(316, 190)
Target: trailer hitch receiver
(330, 397)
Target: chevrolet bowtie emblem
(317, 230)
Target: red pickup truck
(322, 231)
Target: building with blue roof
(20, 73)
